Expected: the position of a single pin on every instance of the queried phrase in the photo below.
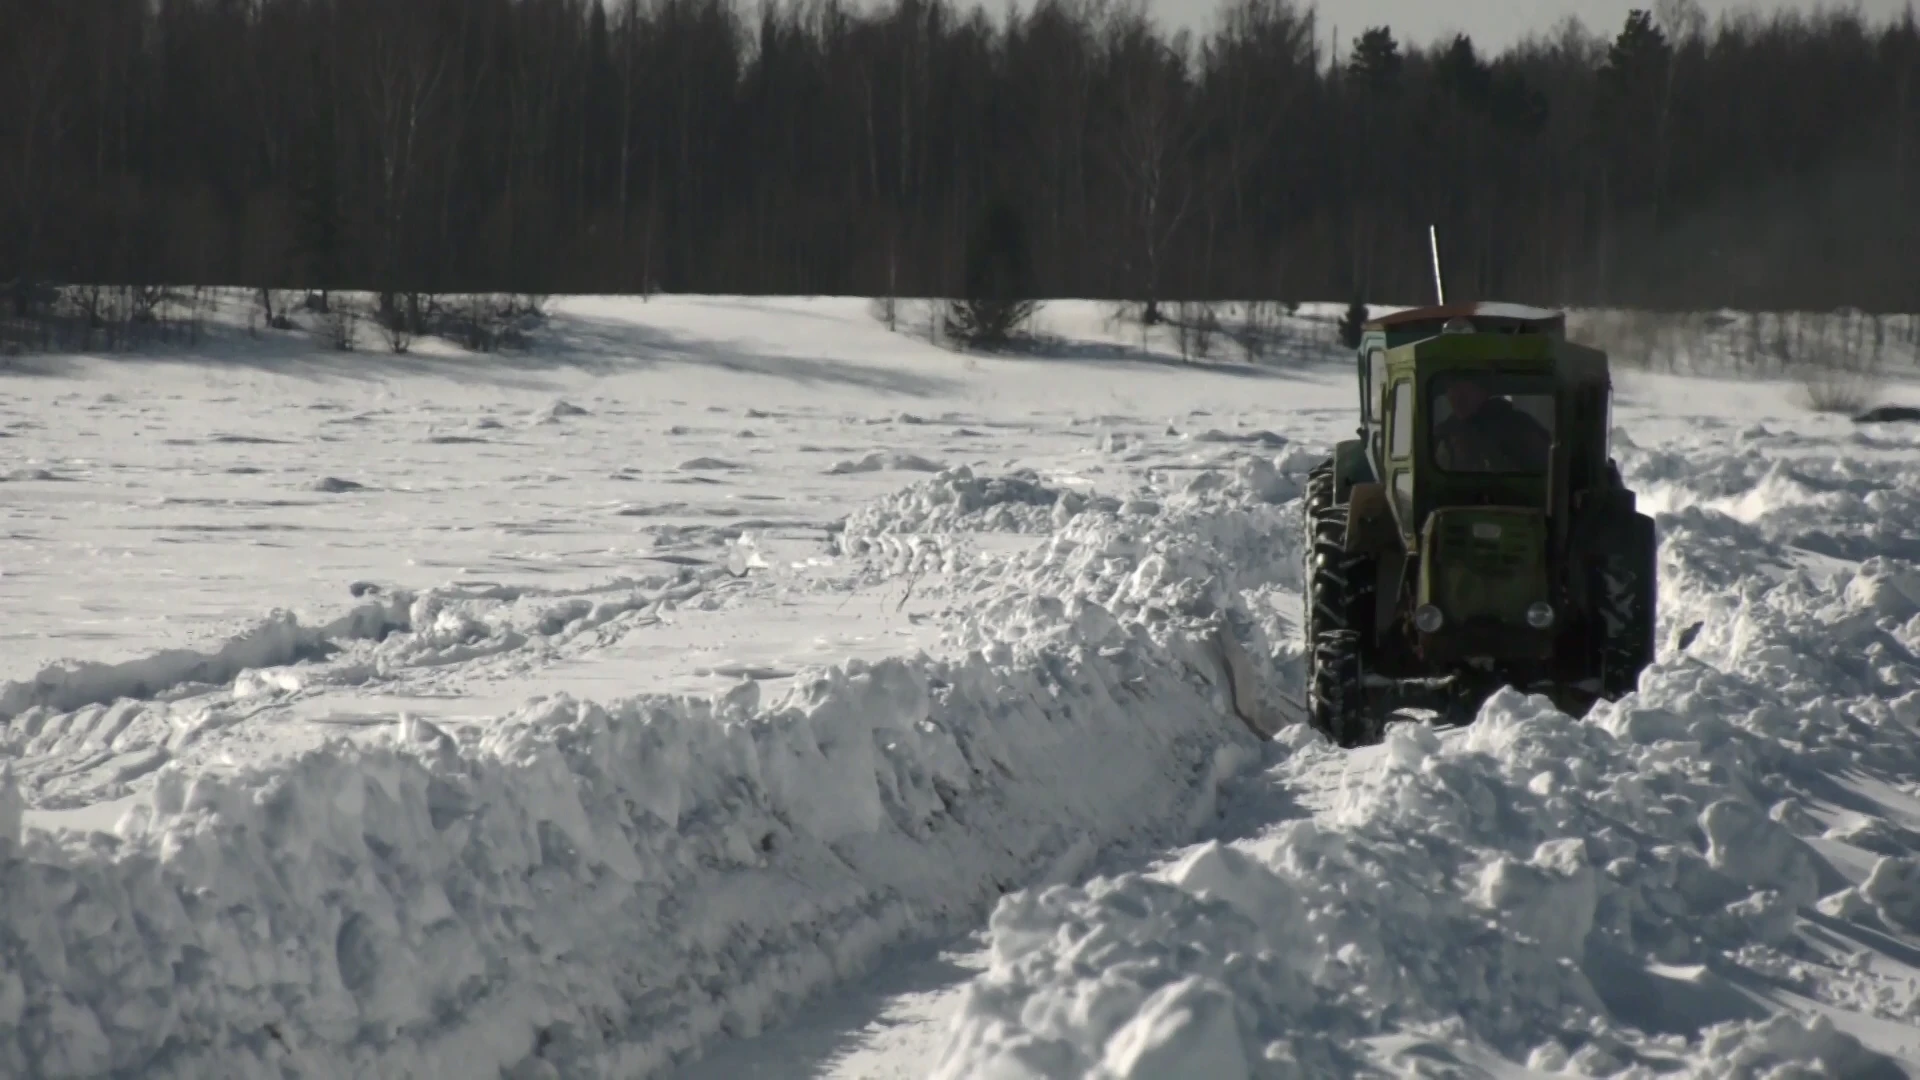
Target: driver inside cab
(1486, 433)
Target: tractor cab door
(1373, 390)
(1398, 447)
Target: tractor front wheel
(1624, 594)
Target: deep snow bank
(1718, 876)
(587, 889)
(82, 733)
(395, 628)
(1222, 539)
(276, 640)
(1570, 896)
(956, 500)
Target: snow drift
(957, 500)
(600, 889)
(276, 640)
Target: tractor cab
(1479, 404)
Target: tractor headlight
(1427, 619)
(1540, 615)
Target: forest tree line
(821, 147)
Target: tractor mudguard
(1371, 528)
(1350, 467)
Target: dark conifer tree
(713, 146)
(1376, 62)
(998, 298)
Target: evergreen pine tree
(999, 282)
(1376, 61)
(1464, 75)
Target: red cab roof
(1493, 313)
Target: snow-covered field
(735, 688)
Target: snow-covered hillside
(736, 688)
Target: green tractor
(1477, 534)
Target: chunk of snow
(881, 460)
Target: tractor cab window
(1376, 383)
(1400, 424)
(1487, 423)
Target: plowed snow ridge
(601, 887)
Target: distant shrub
(998, 300)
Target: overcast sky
(1492, 23)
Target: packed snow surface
(681, 694)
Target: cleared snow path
(889, 1026)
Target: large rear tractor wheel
(1337, 616)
